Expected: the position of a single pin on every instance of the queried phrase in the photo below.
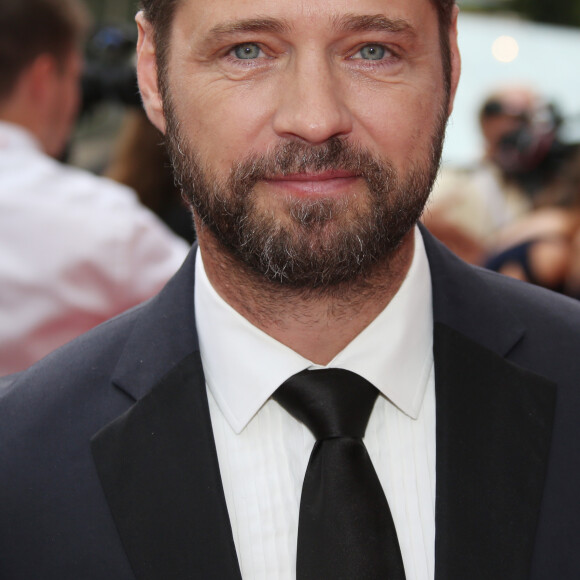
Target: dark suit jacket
(108, 468)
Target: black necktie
(345, 531)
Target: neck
(315, 324)
(20, 112)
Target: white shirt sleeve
(75, 250)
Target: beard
(307, 244)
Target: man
(75, 249)
(306, 136)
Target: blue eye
(247, 51)
(372, 52)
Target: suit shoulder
(74, 369)
(550, 341)
(534, 302)
(536, 328)
(463, 290)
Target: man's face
(307, 134)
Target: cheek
(399, 122)
(225, 123)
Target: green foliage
(566, 12)
(553, 11)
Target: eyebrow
(344, 23)
(373, 23)
(249, 25)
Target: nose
(310, 104)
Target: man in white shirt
(75, 249)
(306, 136)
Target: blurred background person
(140, 161)
(532, 166)
(543, 248)
(135, 155)
(538, 244)
(525, 166)
(75, 249)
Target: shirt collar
(14, 136)
(243, 366)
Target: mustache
(298, 157)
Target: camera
(110, 74)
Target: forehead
(298, 16)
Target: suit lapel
(494, 426)
(159, 470)
(157, 463)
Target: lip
(315, 176)
(331, 182)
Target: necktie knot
(330, 402)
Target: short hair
(160, 14)
(29, 28)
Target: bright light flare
(505, 49)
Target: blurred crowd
(77, 248)
(517, 211)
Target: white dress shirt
(75, 249)
(263, 451)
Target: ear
(40, 78)
(147, 72)
(455, 57)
